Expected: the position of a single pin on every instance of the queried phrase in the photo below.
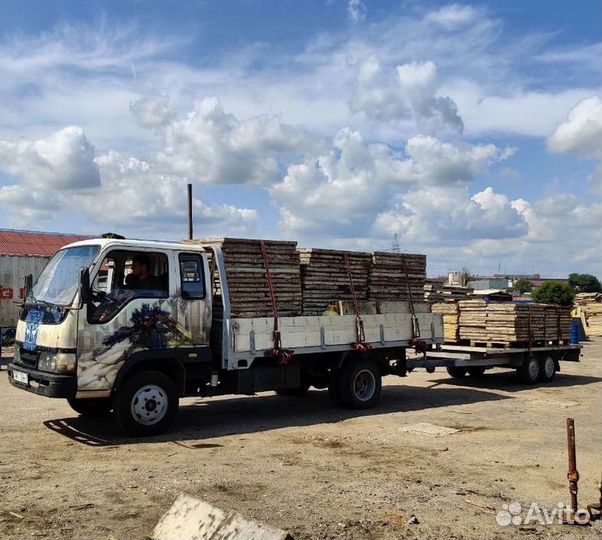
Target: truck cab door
(194, 291)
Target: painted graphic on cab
(148, 327)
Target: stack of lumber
(472, 320)
(325, 280)
(247, 278)
(505, 322)
(589, 308)
(443, 293)
(451, 316)
(388, 280)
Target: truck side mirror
(85, 286)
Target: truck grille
(28, 359)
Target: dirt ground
(310, 468)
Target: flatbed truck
(84, 335)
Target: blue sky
(472, 131)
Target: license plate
(21, 377)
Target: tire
(547, 368)
(146, 404)
(92, 408)
(529, 372)
(360, 384)
(476, 371)
(456, 372)
(300, 391)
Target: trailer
(533, 364)
(90, 334)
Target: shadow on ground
(508, 381)
(206, 419)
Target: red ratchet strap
(360, 344)
(530, 332)
(416, 342)
(277, 351)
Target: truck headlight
(56, 362)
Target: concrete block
(190, 518)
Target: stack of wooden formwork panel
(589, 308)
(247, 277)
(325, 279)
(388, 279)
(472, 320)
(507, 322)
(451, 315)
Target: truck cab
(90, 322)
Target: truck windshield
(59, 280)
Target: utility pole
(190, 211)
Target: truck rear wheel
(92, 407)
(529, 372)
(547, 368)
(476, 371)
(359, 384)
(146, 404)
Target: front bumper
(44, 384)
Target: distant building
(489, 283)
(23, 253)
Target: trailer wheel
(456, 371)
(93, 407)
(529, 372)
(360, 384)
(476, 371)
(547, 368)
(146, 404)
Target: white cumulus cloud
(152, 112)
(215, 147)
(449, 214)
(63, 160)
(581, 134)
(342, 191)
(412, 96)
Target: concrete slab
(430, 430)
(190, 518)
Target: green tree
(523, 285)
(554, 292)
(585, 283)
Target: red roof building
(34, 244)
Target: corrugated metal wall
(13, 270)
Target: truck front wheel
(359, 384)
(146, 404)
(91, 407)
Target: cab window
(126, 275)
(192, 276)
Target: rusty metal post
(572, 474)
(190, 211)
